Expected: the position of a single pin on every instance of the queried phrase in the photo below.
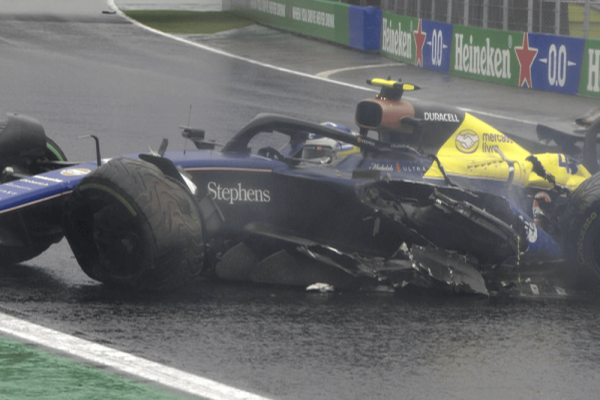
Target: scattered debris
(320, 287)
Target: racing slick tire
(581, 222)
(130, 225)
(45, 234)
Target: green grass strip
(188, 22)
(27, 373)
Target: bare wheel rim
(118, 237)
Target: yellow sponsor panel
(478, 151)
(566, 173)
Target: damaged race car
(423, 196)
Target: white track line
(326, 74)
(120, 361)
(111, 4)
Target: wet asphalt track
(83, 72)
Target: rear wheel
(582, 229)
(130, 225)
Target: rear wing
(585, 130)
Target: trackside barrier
(357, 27)
(364, 27)
(416, 41)
(589, 84)
(531, 60)
(554, 63)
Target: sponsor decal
(75, 172)
(496, 137)
(365, 141)
(382, 167)
(34, 182)
(436, 50)
(410, 167)
(481, 60)
(405, 167)
(13, 184)
(569, 164)
(420, 37)
(440, 117)
(396, 41)
(490, 139)
(269, 7)
(238, 193)
(558, 64)
(47, 178)
(467, 141)
(309, 16)
(525, 55)
(593, 75)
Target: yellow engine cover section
(475, 151)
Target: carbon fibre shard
(305, 262)
(455, 273)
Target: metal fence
(559, 17)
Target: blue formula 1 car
(423, 196)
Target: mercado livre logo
(467, 141)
